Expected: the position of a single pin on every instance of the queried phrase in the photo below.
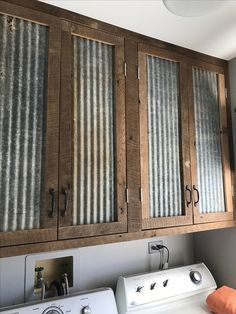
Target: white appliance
(97, 301)
(181, 290)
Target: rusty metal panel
(163, 138)
(208, 147)
(23, 80)
(93, 162)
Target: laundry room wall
(217, 248)
(94, 266)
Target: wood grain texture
(213, 217)
(27, 236)
(185, 142)
(133, 140)
(66, 125)
(229, 120)
(52, 126)
(94, 34)
(230, 135)
(217, 68)
(192, 137)
(164, 222)
(92, 230)
(161, 53)
(225, 144)
(120, 134)
(143, 119)
(82, 242)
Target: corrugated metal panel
(93, 174)
(163, 138)
(23, 68)
(208, 148)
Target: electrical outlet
(154, 243)
(156, 260)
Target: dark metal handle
(190, 195)
(66, 193)
(195, 189)
(53, 202)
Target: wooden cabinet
(164, 140)
(29, 120)
(211, 175)
(106, 135)
(184, 152)
(93, 139)
(82, 135)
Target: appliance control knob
(196, 277)
(52, 310)
(86, 310)
(139, 288)
(152, 286)
(165, 283)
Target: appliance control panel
(90, 302)
(138, 290)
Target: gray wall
(93, 266)
(232, 75)
(218, 248)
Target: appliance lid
(194, 305)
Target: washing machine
(181, 290)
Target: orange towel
(222, 301)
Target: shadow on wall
(95, 266)
(217, 250)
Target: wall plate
(31, 261)
(53, 269)
(154, 243)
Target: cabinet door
(92, 140)
(165, 157)
(211, 171)
(29, 84)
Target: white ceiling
(213, 34)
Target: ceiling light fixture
(192, 8)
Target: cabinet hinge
(138, 73)
(141, 194)
(232, 190)
(125, 69)
(126, 195)
(226, 93)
